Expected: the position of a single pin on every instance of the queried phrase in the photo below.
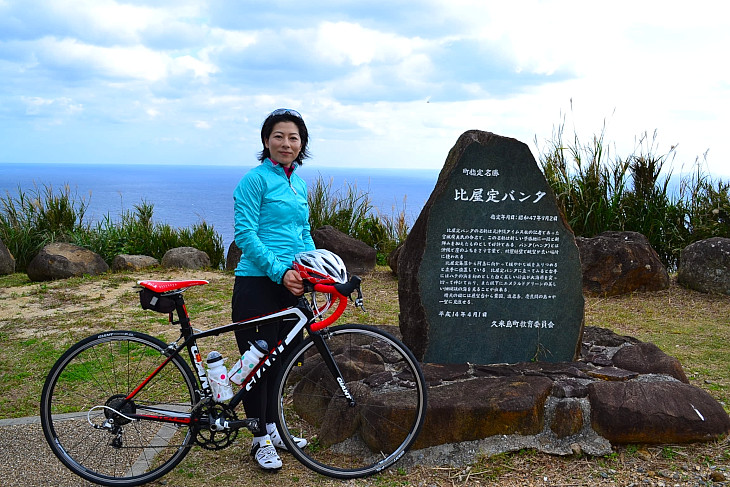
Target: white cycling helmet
(321, 267)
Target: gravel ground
(27, 462)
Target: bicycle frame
(123, 408)
(302, 313)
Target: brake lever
(359, 303)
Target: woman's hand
(293, 282)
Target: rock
(7, 261)
(359, 258)
(185, 258)
(490, 272)
(612, 374)
(233, 256)
(567, 419)
(546, 404)
(705, 266)
(436, 374)
(483, 407)
(620, 262)
(716, 476)
(564, 388)
(125, 262)
(647, 358)
(655, 412)
(393, 259)
(61, 260)
(603, 337)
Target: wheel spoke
(387, 386)
(88, 422)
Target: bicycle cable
(88, 416)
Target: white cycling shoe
(278, 443)
(265, 454)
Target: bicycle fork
(319, 341)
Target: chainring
(211, 439)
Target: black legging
(256, 296)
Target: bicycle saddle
(167, 286)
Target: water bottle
(248, 361)
(218, 377)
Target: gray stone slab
(490, 272)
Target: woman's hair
(285, 115)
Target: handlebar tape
(341, 292)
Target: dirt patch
(29, 308)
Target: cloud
(373, 79)
(79, 60)
(347, 42)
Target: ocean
(184, 195)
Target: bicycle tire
(97, 371)
(387, 385)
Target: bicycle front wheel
(367, 432)
(86, 419)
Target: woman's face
(284, 143)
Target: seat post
(183, 318)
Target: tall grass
(350, 211)
(35, 218)
(600, 192)
(31, 220)
(135, 233)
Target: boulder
(185, 258)
(705, 266)
(393, 259)
(490, 272)
(484, 406)
(125, 262)
(647, 358)
(233, 256)
(655, 412)
(620, 262)
(7, 261)
(61, 260)
(595, 336)
(359, 258)
(558, 405)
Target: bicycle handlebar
(341, 292)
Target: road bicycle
(124, 408)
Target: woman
(271, 226)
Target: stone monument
(490, 272)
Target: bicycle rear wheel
(389, 393)
(83, 396)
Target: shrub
(40, 216)
(597, 193)
(351, 212)
(135, 233)
(31, 220)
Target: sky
(380, 83)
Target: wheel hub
(117, 407)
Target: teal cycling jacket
(271, 221)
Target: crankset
(214, 432)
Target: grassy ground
(40, 320)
